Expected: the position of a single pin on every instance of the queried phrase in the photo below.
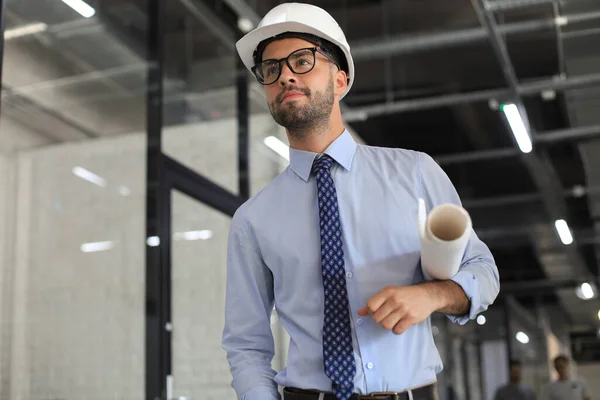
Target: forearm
(448, 296)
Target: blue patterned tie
(340, 366)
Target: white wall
(76, 328)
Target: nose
(287, 76)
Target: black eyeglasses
(301, 61)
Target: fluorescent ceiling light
(89, 176)
(278, 146)
(518, 127)
(153, 241)
(194, 235)
(522, 337)
(563, 231)
(25, 30)
(599, 318)
(81, 7)
(481, 320)
(245, 24)
(97, 246)
(587, 292)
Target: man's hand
(397, 308)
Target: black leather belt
(428, 392)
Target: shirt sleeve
(260, 393)
(478, 274)
(247, 336)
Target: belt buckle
(394, 395)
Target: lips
(291, 95)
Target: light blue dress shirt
(274, 260)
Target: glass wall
(72, 158)
(528, 343)
(73, 196)
(200, 369)
(200, 106)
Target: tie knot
(322, 163)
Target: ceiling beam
(398, 45)
(549, 137)
(212, 21)
(505, 5)
(523, 89)
(541, 286)
(244, 10)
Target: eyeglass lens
(300, 62)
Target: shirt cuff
(468, 282)
(261, 393)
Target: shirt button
(359, 321)
(349, 274)
(370, 365)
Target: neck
(563, 377)
(515, 381)
(319, 137)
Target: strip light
(563, 231)
(522, 337)
(587, 291)
(89, 176)
(278, 147)
(25, 30)
(194, 235)
(81, 7)
(518, 127)
(97, 246)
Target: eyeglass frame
(314, 50)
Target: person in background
(515, 389)
(566, 387)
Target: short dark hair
(561, 357)
(331, 49)
(515, 363)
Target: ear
(340, 82)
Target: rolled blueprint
(444, 235)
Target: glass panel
(72, 263)
(200, 101)
(528, 343)
(199, 105)
(70, 77)
(199, 255)
(199, 272)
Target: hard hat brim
(246, 45)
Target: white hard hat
(299, 18)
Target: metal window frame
(163, 175)
(2, 27)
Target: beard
(300, 120)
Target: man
(332, 242)
(515, 390)
(565, 387)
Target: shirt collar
(341, 150)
